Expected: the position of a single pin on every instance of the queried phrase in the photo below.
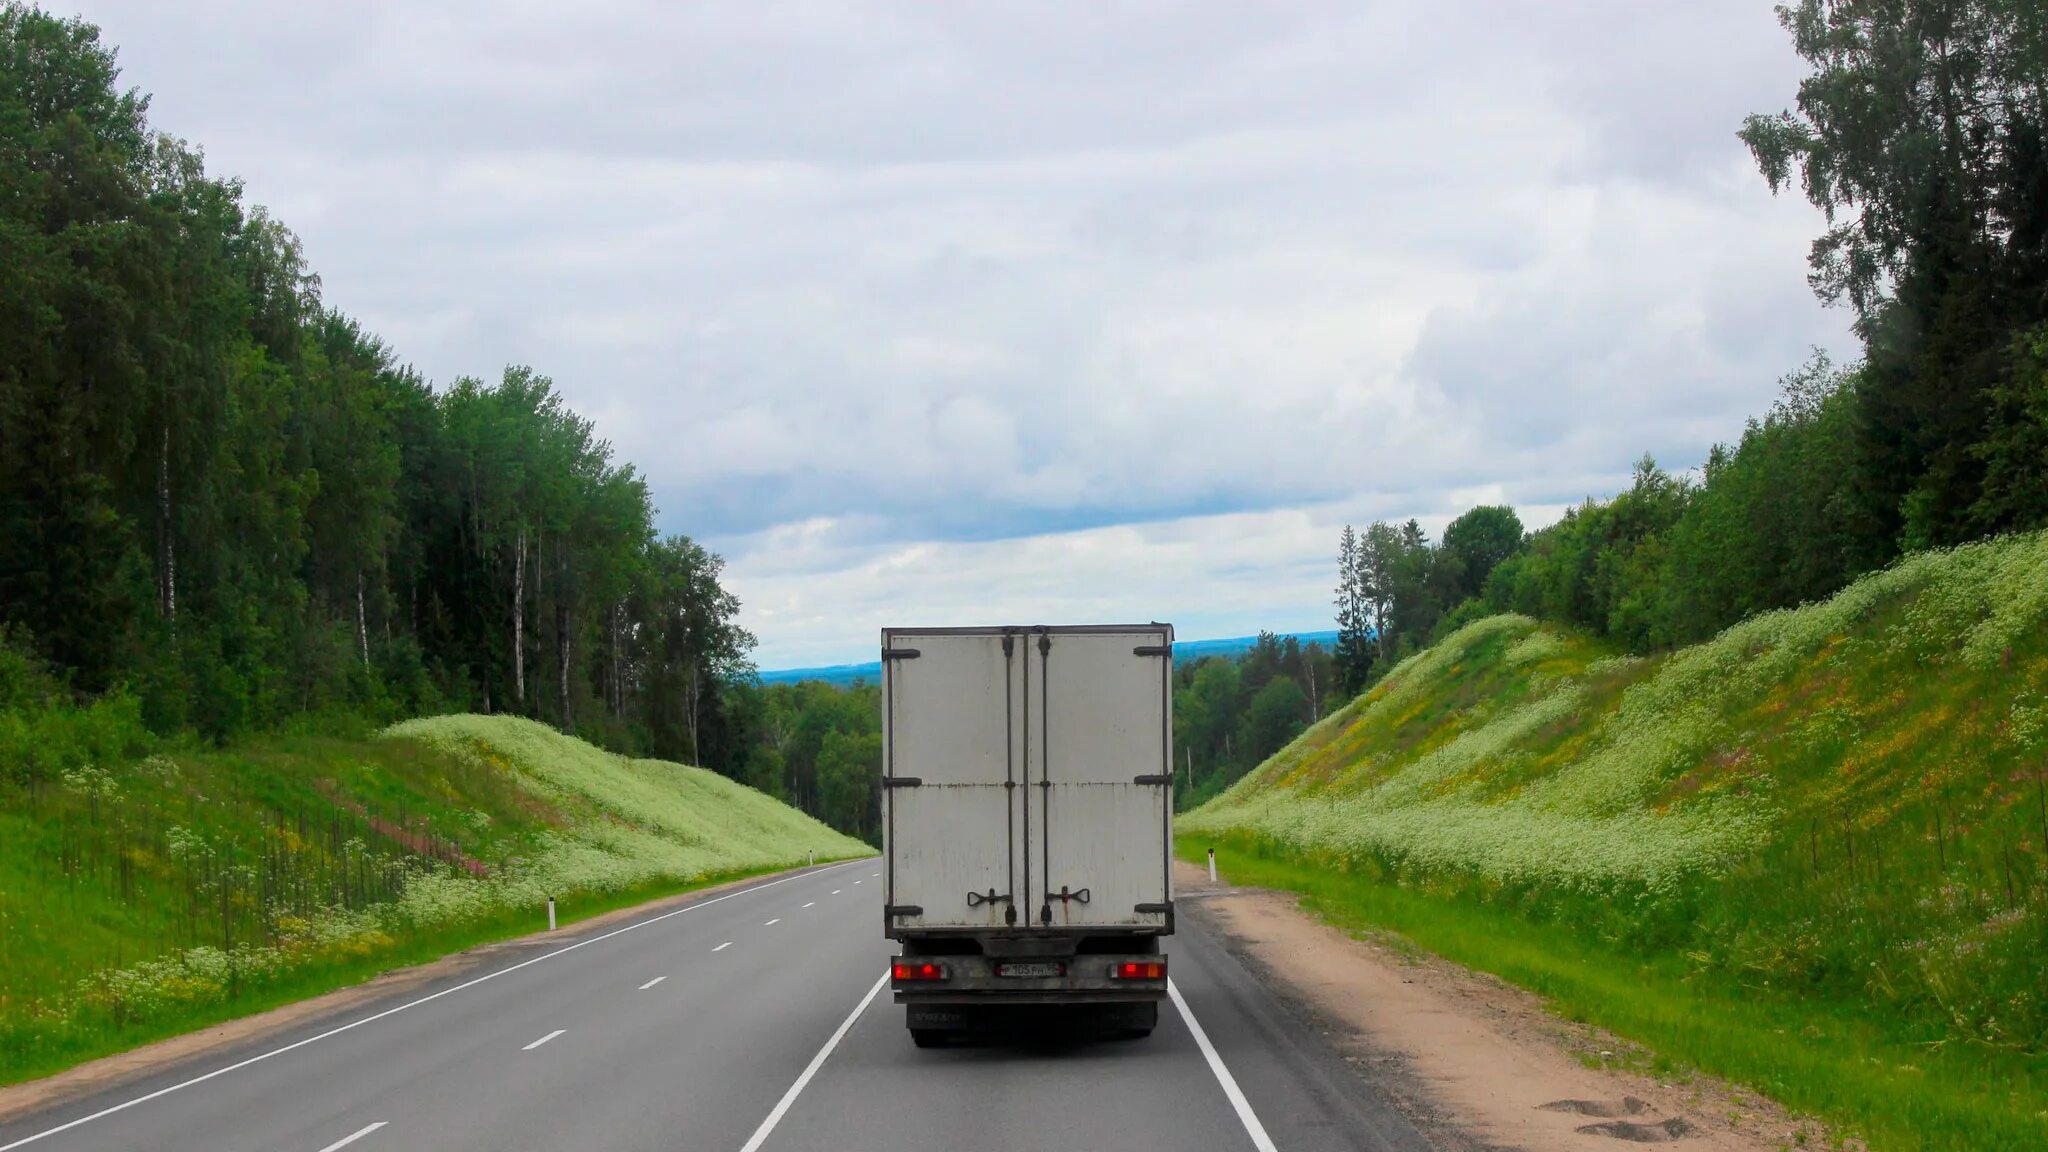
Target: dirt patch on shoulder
(1488, 1059)
(127, 1067)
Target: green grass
(141, 897)
(1844, 806)
(1835, 1061)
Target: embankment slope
(140, 899)
(1844, 804)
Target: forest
(1232, 712)
(817, 746)
(225, 506)
(1920, 134)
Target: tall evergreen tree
(1354, 655)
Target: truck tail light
(1138, 970)
(917, 970)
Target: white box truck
(1027, 824)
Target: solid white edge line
(544, 1039)
(345, 1141)
(761, 1134)
(652, 983)
(720, 948)
(1245, 1115)
(354, 1024)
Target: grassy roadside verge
(1834, 1061)
(93, 1039)
(140, 899)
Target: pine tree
(1354, 655)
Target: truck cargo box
(1027, 777)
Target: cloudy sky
(946, 313)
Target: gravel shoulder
(1490, 1066)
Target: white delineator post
(551, 899)
(1212, 865)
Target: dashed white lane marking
(345, 1141)
(124, 1105)
(808, 904)
(652, 983)
(876, 874)
(1245, 1115)
(836, 891)
(777, 920)
(856, 881)
(723, 947)
(544, 1039)
(761, 1134)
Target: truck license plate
(1030, 969)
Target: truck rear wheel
(928, 1037)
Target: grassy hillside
(142, 897)
(1841, 807)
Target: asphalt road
(753, 1021)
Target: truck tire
(928, 1037)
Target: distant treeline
(225, 502)
(818, 745)
(1231, 712)
(1921, 134)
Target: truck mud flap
(941, 1017)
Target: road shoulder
(122, 1068)
(1485, 1058)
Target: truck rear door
(1027, 778)
(952, 779)
(1099, 706)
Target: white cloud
(817, 594)
(1033, 311)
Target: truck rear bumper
(996, 980)
(1004, 996)
(998, 1017)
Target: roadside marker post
(1212, 865)
(551, 899)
